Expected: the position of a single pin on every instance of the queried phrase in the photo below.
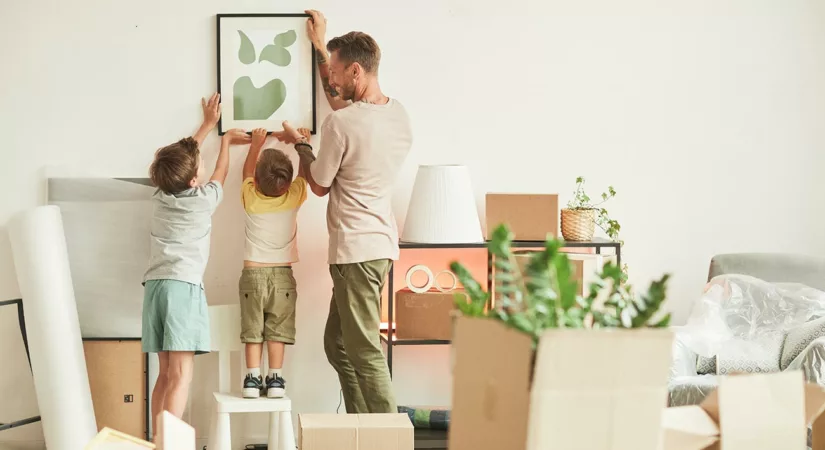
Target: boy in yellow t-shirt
(271, 199)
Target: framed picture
(266, 72)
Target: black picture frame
(218, 18)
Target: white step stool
(225, 328)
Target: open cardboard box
(172, 434)
(590, 389)
(750, 412)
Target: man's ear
(193, 182)
(357, 70)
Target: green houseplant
(545, 295)
(582, 215)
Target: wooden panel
(116, 370)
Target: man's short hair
(273, 173)
(359, 47)
(175, 166)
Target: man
(363, 145)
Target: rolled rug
(427, 417)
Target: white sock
(275, 373)
(255, 372)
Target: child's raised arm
(211, 115)
(258, 140)
(234, 136)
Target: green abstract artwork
(246, 54)
(276, 55)
(253, 103)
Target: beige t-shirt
(363, 146)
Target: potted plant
(579, 219)
(545, 367)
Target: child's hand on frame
(305, 133)
(211, 110)
(259, 137)
(236, 136)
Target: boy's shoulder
(207, 195)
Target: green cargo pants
(351, 338)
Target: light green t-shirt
(180, 233)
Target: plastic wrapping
(745, 318)
(740, 307)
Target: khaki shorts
(268, 296)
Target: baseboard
(22, 445)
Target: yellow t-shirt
(272, 223)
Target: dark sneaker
(275, 387)
(252, 386)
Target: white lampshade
(442, 207)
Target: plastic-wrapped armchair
(803, 348)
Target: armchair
(802, 348)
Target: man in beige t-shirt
(363, 145)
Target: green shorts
(175, 317)
(268, 296)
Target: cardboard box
(116, 378)
(531, 217)
(172, 434)
(426, 315)
(586, 267)
(355, 432)
(750, 412)
(595, 390)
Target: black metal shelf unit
(387, 336)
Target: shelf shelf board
(397, 342)
(597, 242)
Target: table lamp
(442, 207)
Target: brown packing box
(426, 315)
(585, 266)
(172, 434)
(595, 390)
(750, 412)
(355, 432)
(531, 217)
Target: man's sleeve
(330, 153)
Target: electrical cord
(340, 399)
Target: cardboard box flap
(384, 421)
(490, 400)
(690, 419)
(561, 351)
(711, 405)
(772, 403)
(679, 440)
(814, 402)
(328, 420)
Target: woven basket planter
(578, 224)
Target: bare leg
(276, 354)
(253, 355)
(159, 392)
(179, 377)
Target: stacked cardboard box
(355, 432)
(531, 217)
(427, 315)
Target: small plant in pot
(580, 218)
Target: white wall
(707, 116)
